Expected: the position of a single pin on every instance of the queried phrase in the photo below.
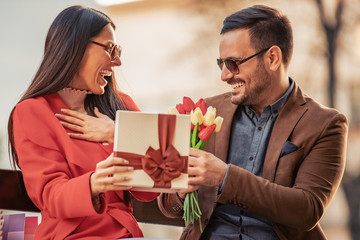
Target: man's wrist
(223, 182)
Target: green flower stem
(203, 144)
(198, 144)
(194, 136)
(192, 210)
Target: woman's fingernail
(130, 168)
(126, 161)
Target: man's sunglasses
(233, 64)
(113, 49)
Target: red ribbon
(163, 164)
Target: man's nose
(226, 75)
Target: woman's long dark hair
(65, 46)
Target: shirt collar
(277, 106)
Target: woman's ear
(274, 58)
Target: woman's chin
(99, 91)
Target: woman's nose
(116, 61)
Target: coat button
(176, 207)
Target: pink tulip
(206, 133)
(180, 108)
(188, 104)
(201, 127)
(202, 105)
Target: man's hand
(205, 168)
(96, 129)
(191, 188)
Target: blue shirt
(249, 139)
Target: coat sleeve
(315, 183)
(47, 177)
(170, 205)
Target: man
(272, 170)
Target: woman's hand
(104, 177)
(95, 129)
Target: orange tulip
(202, 105)
(206, 133)
(188, 104)
(180, 108)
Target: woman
(71, 180)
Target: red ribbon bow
(165, 163)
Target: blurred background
(169, 51)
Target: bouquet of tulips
(203, 125)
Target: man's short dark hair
(267, 27)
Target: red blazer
(56, 171)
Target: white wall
(24, 25)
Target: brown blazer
(295, 189)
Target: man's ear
(273, 58)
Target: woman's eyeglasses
(113, 49)
(233, 64)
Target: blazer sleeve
(170, 205)
(302, 204)
(47, 177)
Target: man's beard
(255, 87)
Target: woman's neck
(74, 98)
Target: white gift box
(157, 145)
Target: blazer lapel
(225, 109)
(292, 112)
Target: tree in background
(339, 19)
(332, 24)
